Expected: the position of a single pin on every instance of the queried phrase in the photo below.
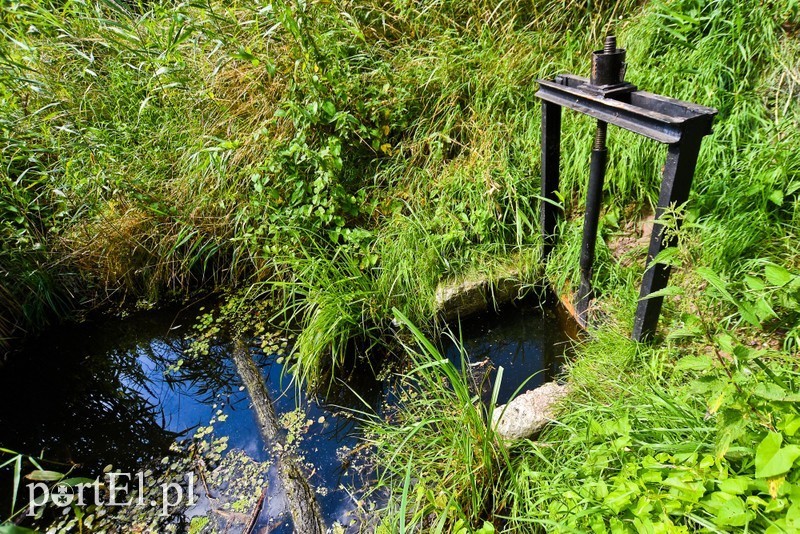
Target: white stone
(527, 414)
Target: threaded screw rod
(594, 197)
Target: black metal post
(594, 198)
(675, 186)
(551, 156)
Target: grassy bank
(342, 158)
(157, 148)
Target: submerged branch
(300, 495)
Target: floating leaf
(44, 476)
(10, 528)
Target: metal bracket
(680, 125)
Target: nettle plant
(341, 111)
(750, 479)
(718, 447)
(771, 299)
(718, 454)
(751, 393)
(768, 299)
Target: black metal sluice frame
(680, 125)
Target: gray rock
(460, 299)
(528, 413)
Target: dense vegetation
(342, 158)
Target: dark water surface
(108, 393)
(524, 338)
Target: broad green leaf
(793, 517)
(754, 283)
(685, 332)
(669, 291)
(763, 310)
(622, 496)
(772, 391)
(643, 508)
(732, 513)
(692, 327)
(748, 313)
(772, 459)
(668, 256)
(777, 275)
(726, 342)
(684, 487)
(790, 424)
(775, 504)
(776, 197)
(734, 485)
(650, 477)
(716, 282)
(329, 108)
(777, 527)
(617, 526)
(694, 363)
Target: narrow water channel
(120, 392)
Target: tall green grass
(443, 463)
(346, 157)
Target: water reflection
(120, 392)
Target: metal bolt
(610, 45)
